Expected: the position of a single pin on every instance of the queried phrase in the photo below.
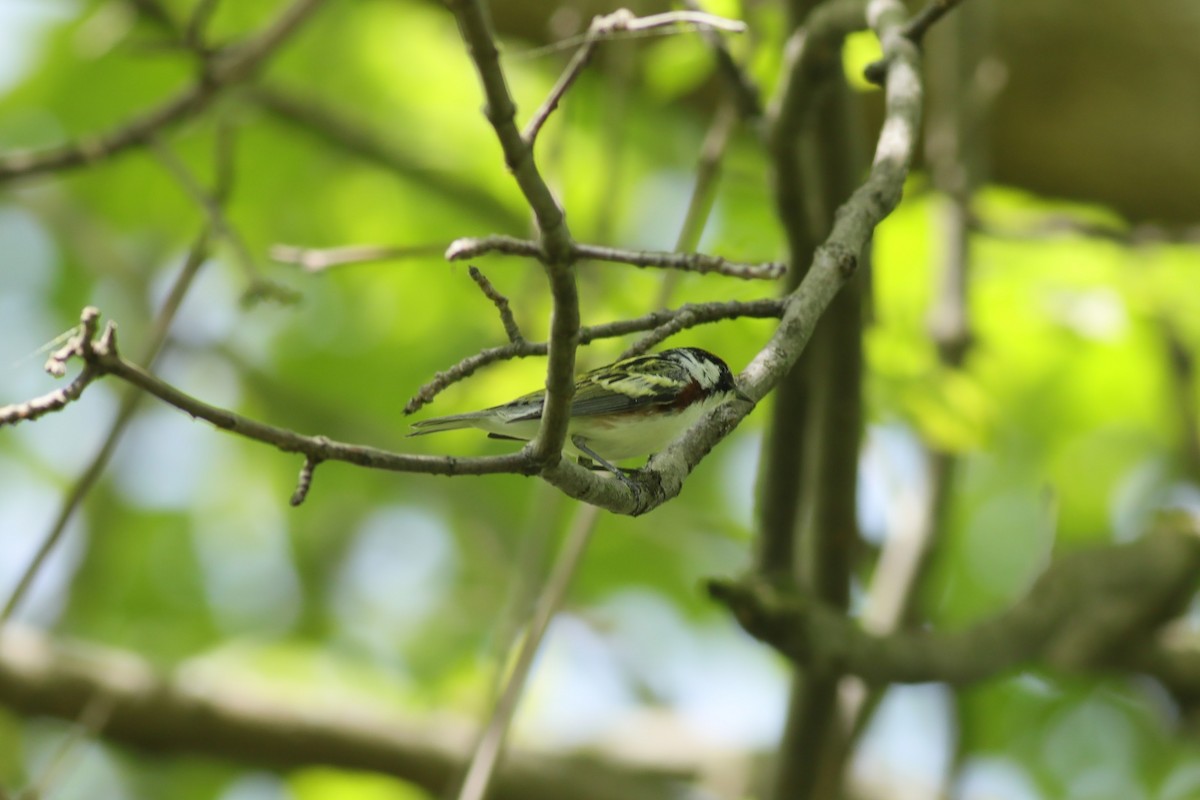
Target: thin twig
(704, 193)
(491, 741)
(341, 129)
(43, 676)
(914, 31)
(469, 366)
(1075, 616)
(237, 65)
(692, 315)
(741, 86)
(554, 236)
(102, 354)
(500, 301)
(258, 288)
(48, 403)
(207, 202)
(691, 262)
(576, 66)
(605, 27)
(471, 247)
(924, 19)
(193, 34)
(312, 259)
(91, 722)
(304, 482)
(624, 20)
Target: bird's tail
(450, 423)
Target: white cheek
(709, 374)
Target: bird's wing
(632, 383)
(636, 382)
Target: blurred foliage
(394, 589)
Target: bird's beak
(740, 395)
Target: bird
(629, 408)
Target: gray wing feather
(598, 392)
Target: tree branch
(170, 714)
(500, 302)
(691, 262)
(914, 31)
(663, 478)
(223, 70)
(923, 20)
(555, 238)
(102, 356)
(605, 26)
(312, 259)
(48, 403)
(811, 59)
(1077, 616)
(79, 341)
(337, 127)
(742, 87)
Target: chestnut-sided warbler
(632, 407)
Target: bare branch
(91, 720)
(49, 402)
(623, 20)
(338, 127)
(555, 238)
(704, 193)
(102, 356)
(812, 56)
(741, 86)
(56, 365)
(663, 478)
(304, 482)
(501, 303)
(835, 262)
(258, 287)
(914, 31)
(604, 27)
(318, 260)
(576, 65)
(923, 20)
(164, 714)
(691, 262)
(223, 71)
(469, 366)
(471, 247)
(1075, 617)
